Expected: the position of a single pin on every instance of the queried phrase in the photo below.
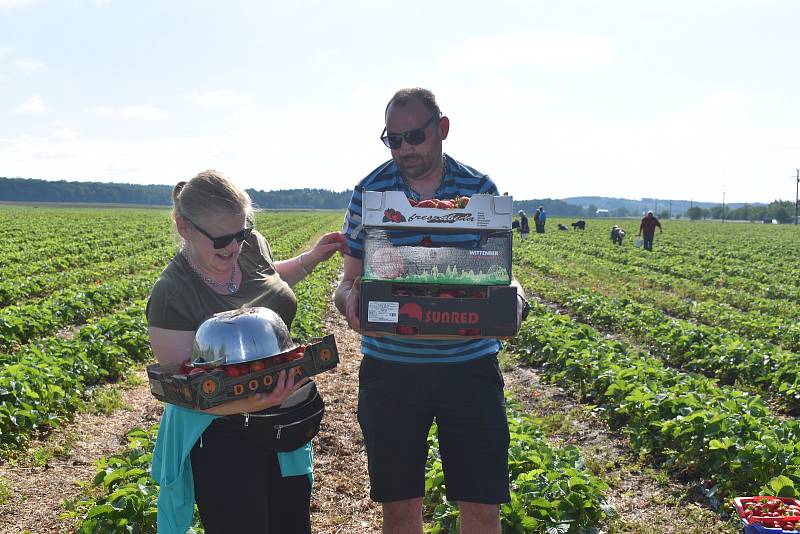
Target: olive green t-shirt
(180, 300)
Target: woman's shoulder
(256, 246)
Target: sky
(679, 99)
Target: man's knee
(402, 517)
(478, 517)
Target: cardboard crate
(488, 262)
(438, 311)
(756, 524)
(391, 209)
(215, 387)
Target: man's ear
(444, 127)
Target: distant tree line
(32, 190)
(300, 199)
(780, 210)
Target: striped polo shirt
(458, 179)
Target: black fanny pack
(292, 424)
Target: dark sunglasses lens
(415, 137)
(392, 141)
(224, 241)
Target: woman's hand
(284, 387)
(325, 248)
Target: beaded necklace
(230, 286)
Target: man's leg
(477, 518)
(473, 442)
(403, 517)
(395, 418)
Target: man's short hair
(425, 96)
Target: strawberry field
(687, 355)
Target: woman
(218, 462)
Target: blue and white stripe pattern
(458, 180)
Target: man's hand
(350, 296)
(347, 293)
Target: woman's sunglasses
(412, 137)
(225, 240)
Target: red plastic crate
(766, 524)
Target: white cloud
(103, 111)
(519, 50)
(10, 4)
(143, 112)
(222, 98)
(28, 65)
(33, 105)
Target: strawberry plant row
(43, 385)
(551, 490)
(18, 324)
(28, 287)
(686, 422)
(754, 365)
(691, 275)
(781, 329)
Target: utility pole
(796, 199)
(670, 209)
(723, 205)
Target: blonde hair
(207, 195)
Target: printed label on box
(383, 312)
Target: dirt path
(648, 502)
(38, 493)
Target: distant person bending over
(617, 234)
(524, 226)
(647, 229)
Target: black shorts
(238, 484)
(397, 403)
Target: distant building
(601, 213)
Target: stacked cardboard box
(437, 272)
(201, 388)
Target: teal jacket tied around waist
(172, 469)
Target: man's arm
(346, 295)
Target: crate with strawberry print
(768, 515)
(438, 311)
(392, 209)
(199, 388)
(479, 258)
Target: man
(540, 219)
(524, 226)
(406, 383)
(647, 229)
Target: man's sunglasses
(225, 240)
(412, 137)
